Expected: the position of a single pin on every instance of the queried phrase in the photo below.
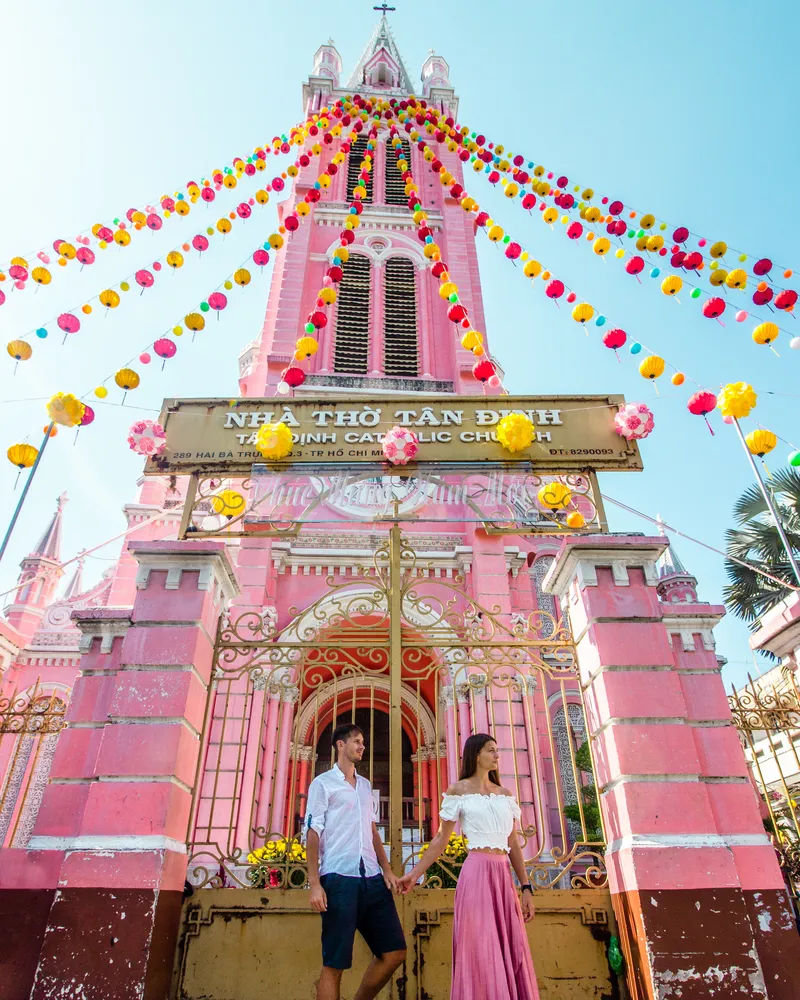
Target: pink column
(245, 820)
(434, 774)
(264, 817)
(375, 363)
(424, 767)
(115, 816)
(695, 883)
(464, 722)
(453, 755)
(303, 782)
(289, 698)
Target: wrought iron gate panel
(390, 643)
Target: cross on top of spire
(384, 7)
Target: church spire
(49, 545)
(75, 585)
(381, 66)
(675, 583)
(39, 575)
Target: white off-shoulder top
(486, 820)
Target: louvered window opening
(351, 353)
(354, 160)
(400, 350)
(395, 187)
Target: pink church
(170, 718)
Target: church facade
(170, 718)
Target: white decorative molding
(215, 573)
(107, 843)
(581, 563)
(349, 555)
(105, 629)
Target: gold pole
(395, 701)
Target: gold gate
(419, 664)
(766, 713)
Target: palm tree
(749, 595)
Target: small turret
(676, 585)
(436, 86)
(328, 63)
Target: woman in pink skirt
(491, 956)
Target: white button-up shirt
(343, 818)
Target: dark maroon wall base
(23, 920)
(112, 944)
(700, 943)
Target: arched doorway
(375, 765)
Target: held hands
(407, 882)
(528, 908)
(392, 881)
(318, 899)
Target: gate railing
(768, 721)
(392, 642)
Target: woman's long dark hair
(469, 757)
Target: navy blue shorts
(358, 904)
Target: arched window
(354, 159)
(563, 735)
(395, 186)
(351, 351)
(544, 601)
(400, 350)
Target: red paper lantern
(293, 376)
(615, 338)
(483, 370)
(681, 234)
(554, 289)
(456, 313)
(713, 308)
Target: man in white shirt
(349, 874)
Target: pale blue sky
(686, 113)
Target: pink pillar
(112, 829)
(424, 767)
(302, 785)
(449, 705)
(279, 818)
(695, 883)
(464, 722)
(245, 821)
(264, 817)
(375, 361)
(434, 775)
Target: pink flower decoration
(400, 445)
(147, 438)
(634, 421)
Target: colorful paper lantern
(760, 442)
(555, 495)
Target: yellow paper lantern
(22, 455)
(737, 278)
(41, 276)
(446, 289)
(472, 340)
(327, 295)
(718, 276)
(228, 503)
(109, 298)
(175, 257)
(274, 441)
(647, 222)
(532, 269)
(122, 237)
(67, 250)
(101, 392)
(306, 347)
(760, 442)
(554, 496)
(672, 284)
(20, 350)
(242, 276)
(575, 519)
(262, 196)
(496, 234)
(652, 367)
(550, 215)
(515, 432)
(223, 226)
(181, 207)
(582, 312)
(194, 322)
(766, 333)
(718, 249)
(126, 378)
(275, 241)
(601, 246)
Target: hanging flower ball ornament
(400, 445)
(736, 400)
(515, 432)
(65, 409)
(634, 421)
(274, 441)
(146, 437)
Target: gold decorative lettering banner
(570, 432)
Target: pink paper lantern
(400, 445)
(634, 421)
(146, 437)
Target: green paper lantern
(695, 294)
(309, 328)
(506, 238)
(453, 298)
(631, 234)
(640, 234)
(204, 307)
(794, 459)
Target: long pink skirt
(491, 956)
